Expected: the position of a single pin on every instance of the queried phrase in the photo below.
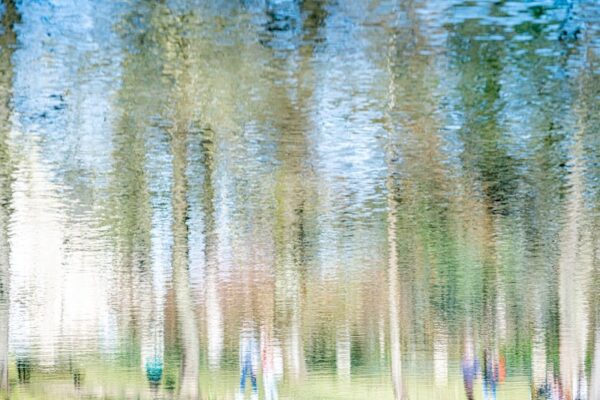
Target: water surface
(283, 199)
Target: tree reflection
(302, 197)
(182, 121)
(10, 17)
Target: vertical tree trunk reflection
(574, 267)
(394, 293)
(214, 316)
(7, 42)
(183, 294)
(181, 281)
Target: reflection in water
(214, 319)
(470, 365)
(248, 360)
(595, 374)
(272, 365)
(574, 265)
(182, 121)
(7, 42)
(300, 199)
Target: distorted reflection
(300, 199)
(271, 362)
(470, 366)
(248, 360)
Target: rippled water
(284, 199)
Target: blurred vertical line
(214, 313)
(392, 218)
(10, 17)
(183, 107)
